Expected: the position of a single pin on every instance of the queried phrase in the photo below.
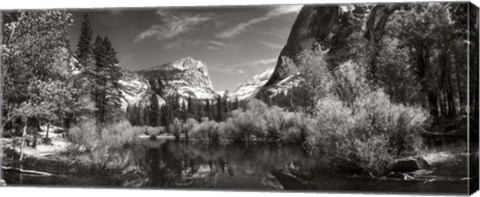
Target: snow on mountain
(284, 86)
(249, 89)
(188, 77)
(222, 92)
(135, 90)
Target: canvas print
(367, 97)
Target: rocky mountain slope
(188, 77)
(329, 26)
(250, 88)
(136, 90)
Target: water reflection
(171, 164)
(168, 164)
(260, 166)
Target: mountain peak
(188, 60)
(187, 76)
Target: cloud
(270, 45)
(206, 44)
(243, 68)
(237, 29)
(172, 45)
(263, 62)
(210, 44)
(278, 33)
(227, 70)
(241, 72)
(172, 25)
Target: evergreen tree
(175, 103)
(105, 77)
(110, 53)
(190, 108)
(84, 46)
(200, 111)
(236, 104)
(184, 110)
(208, 109)
(154, 111)
(220, 109)
(226, 104)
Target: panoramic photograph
(358, 98)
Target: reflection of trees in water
(172, 164)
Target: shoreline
(73, 164)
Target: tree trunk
(48, 130)
(432, 99)
(35, 140)
(444, 104)
(24, 133)
(459, 88)
(440, 102)
(452, 109)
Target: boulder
(408, 165)
(3, 183)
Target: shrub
(188, 126)
(286, 127)
(83, 136)
(107, 150)
(274, 123)
(350, 82)
(148, 130)
(367, 135)
(261, 122)
(298, 127)
(176, 128)
(118, 134)
(249, 123)
(404, 125)
(207, 130)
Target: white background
(67, 192)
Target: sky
(235, 43)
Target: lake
(260, 166)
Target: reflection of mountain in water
(265, 167)
(170, 164)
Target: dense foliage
(36, 69)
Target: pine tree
(220, 108)
(208, 109)
(154, 111)
(105, 76)
(236, 104)
(190, 108)
(226, 104)
(200, 111)
(184, 113)
(110, 53)
(84, 46)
